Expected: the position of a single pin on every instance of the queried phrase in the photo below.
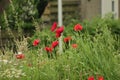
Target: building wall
(90, 9)
(119, 8)
(70, 10)
(93, 8)
(116, 9)
(83, 9)
(108, 7)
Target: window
(113, 6)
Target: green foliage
(19, 13)
(97, 54)
(96, 24)
(45, 36)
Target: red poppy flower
(78, 27)
(91, 78)
(74, 45)
(48, 49)
(67, 39)
(20, 56)
(100, 78)
(60, 30)
(54, 44)
(36, 42)
(58, 35)
(54, 26)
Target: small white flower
(19, 52)
(4, 61)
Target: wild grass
(97, 54)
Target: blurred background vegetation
(98, 51)
(24, 17)
(19, 12)
(22, 14)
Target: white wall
(106, 7)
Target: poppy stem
(79, 33)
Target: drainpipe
(60, 23)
